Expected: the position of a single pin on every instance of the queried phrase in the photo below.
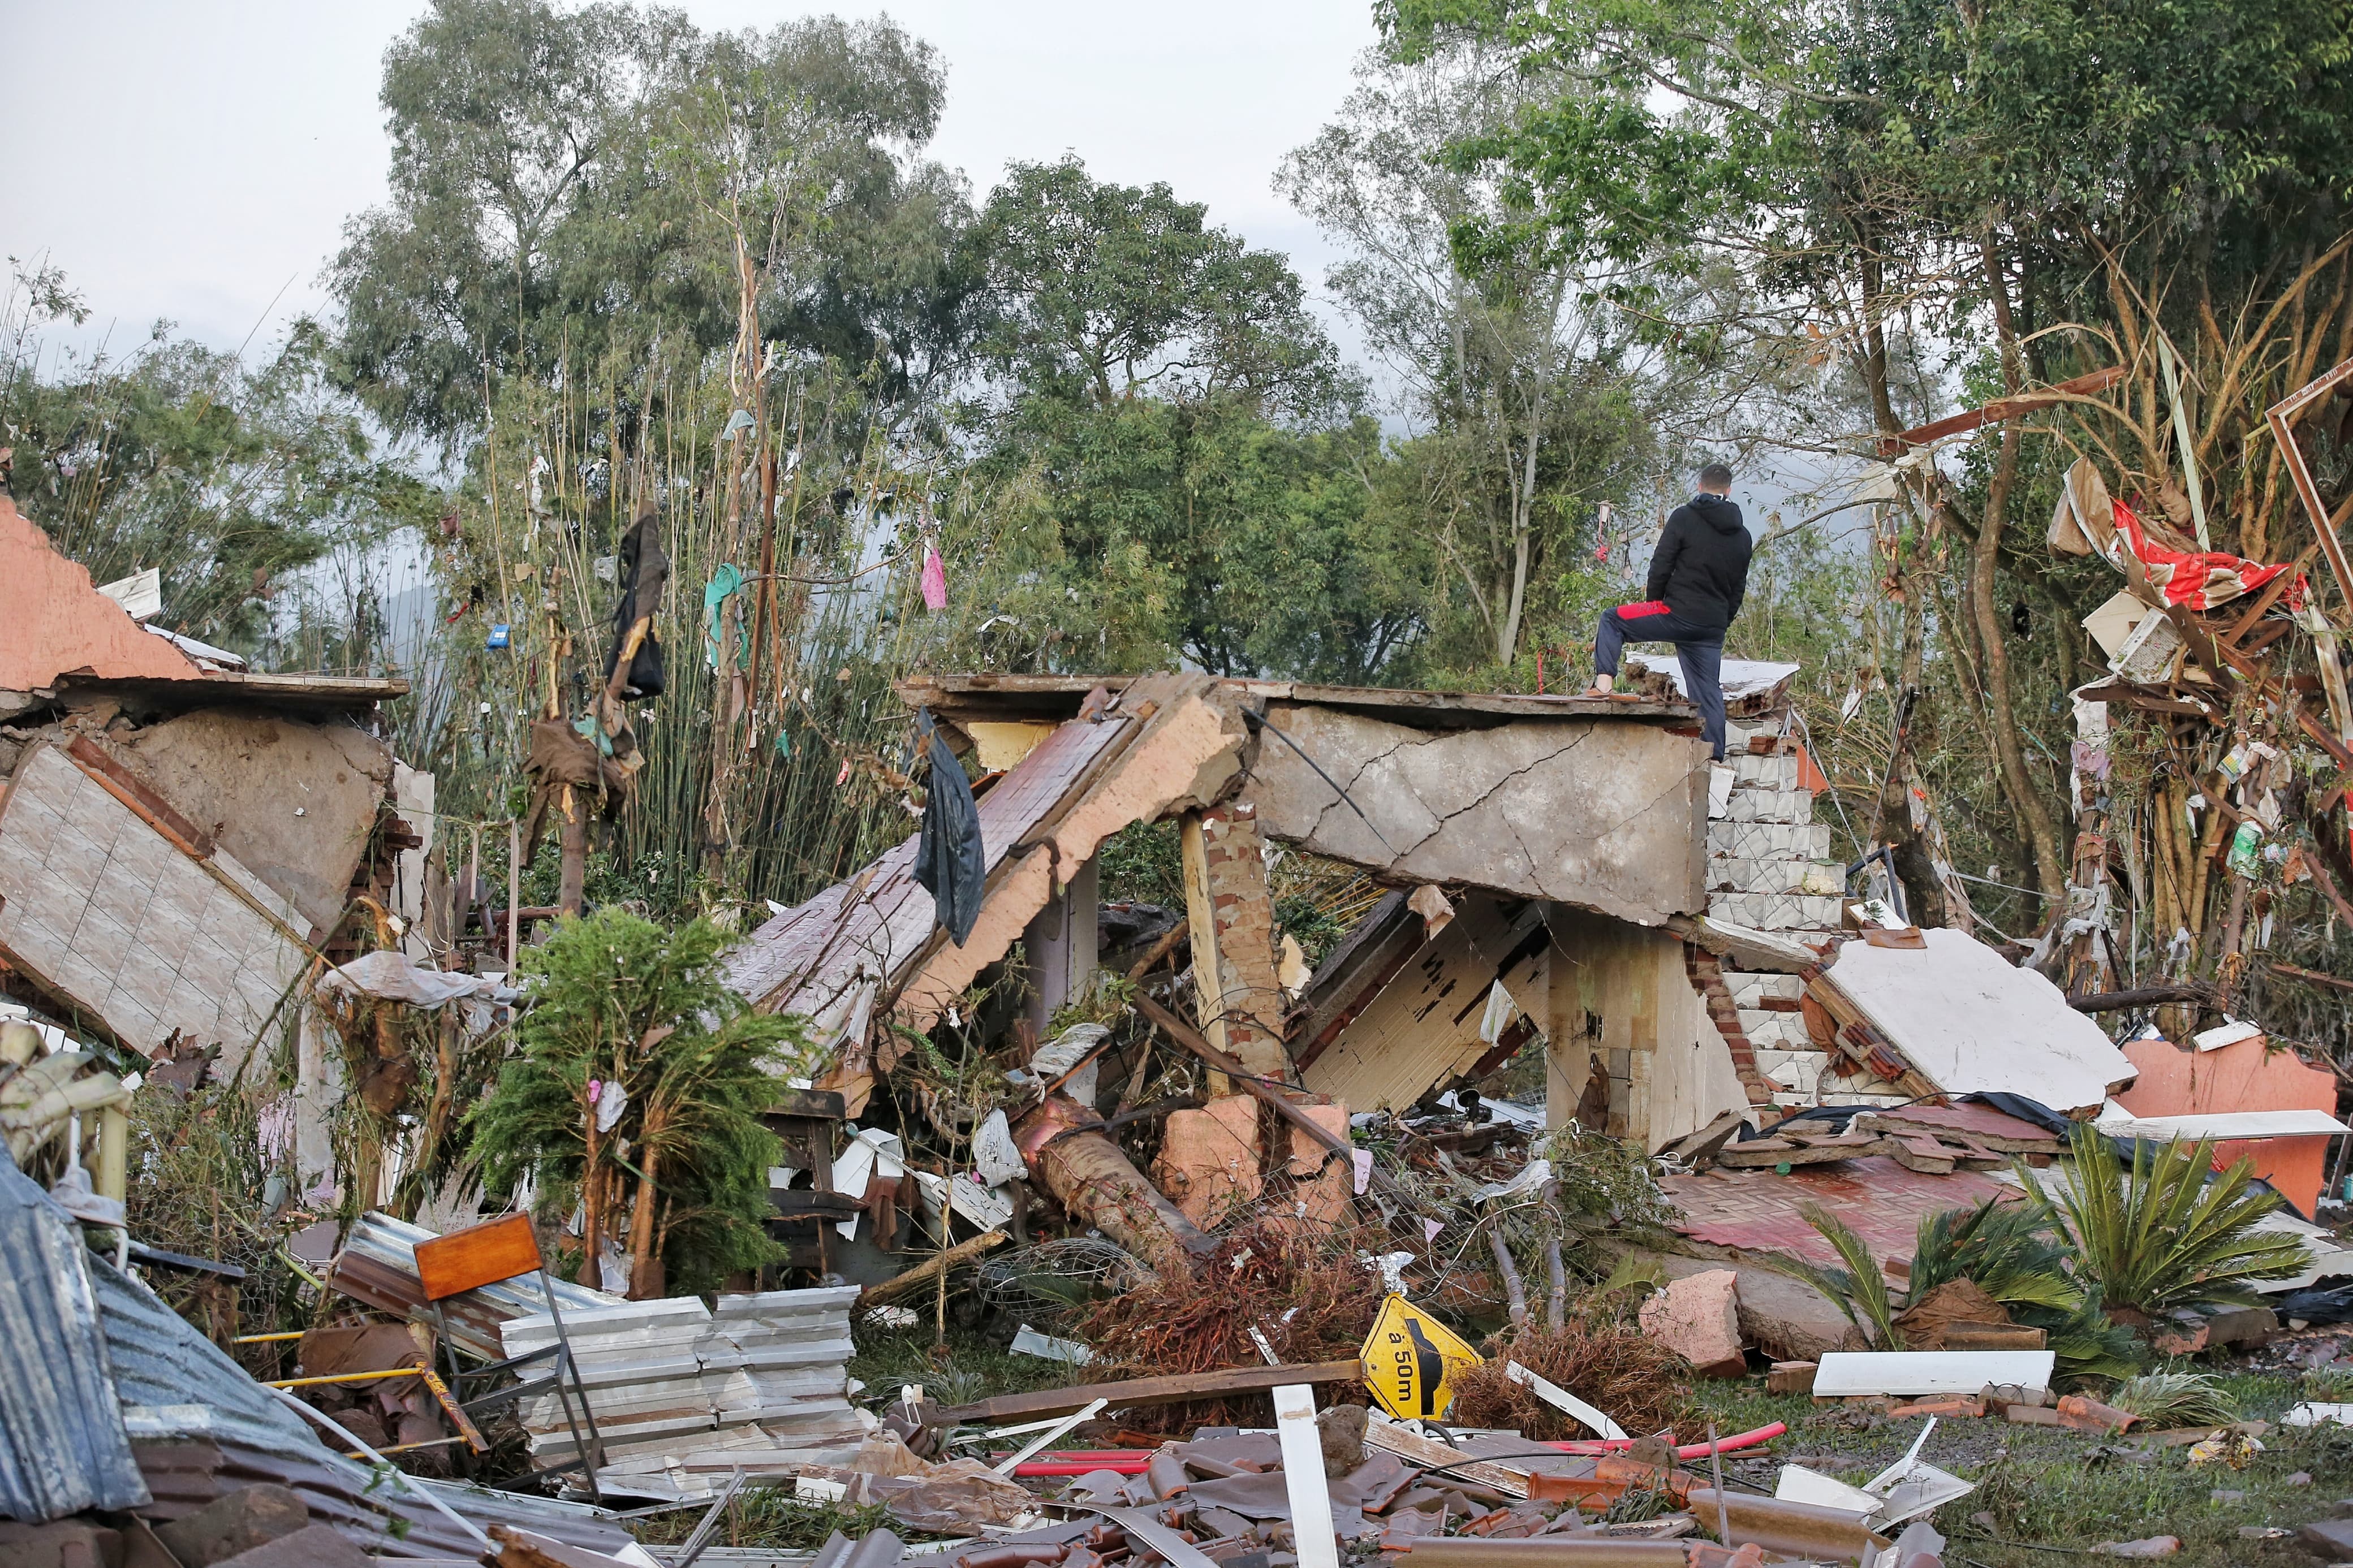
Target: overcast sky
(191, 160)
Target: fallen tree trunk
(1065, 1148)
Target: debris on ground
(1597, 1102)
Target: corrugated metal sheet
(679, 1389)
(200, 1425)
(62, 1445)
(378, 1266)
(829, 956)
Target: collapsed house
(181, 839)
(1568, 872)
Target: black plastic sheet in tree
(950, 860)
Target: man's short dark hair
(1716, 476)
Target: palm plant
(1859, 1290)
(2176, 1399)
(637, 1092)
(2174, 1233)
(2011, 1250)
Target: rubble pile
(1420, 1244)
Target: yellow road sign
(1410, 1359)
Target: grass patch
(972, 1366)
(2055, 1489)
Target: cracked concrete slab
(1601, 813)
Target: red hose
(1131, 1461)
(1688, 1451)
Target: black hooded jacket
(1701, 567)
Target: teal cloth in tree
(950, 860)
(728, 579)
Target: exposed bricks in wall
(1706, 973)
(1246, 1007)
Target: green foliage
(2172, 1233)
(1859, 1290)
(1101, 291)
(226, 479)
(552, 173)
(2012, 1252)
(2167, 1399)
(620, 1003)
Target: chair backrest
(479, 1255)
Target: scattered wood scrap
(1172, 1390)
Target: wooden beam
(2282, 417)
(931, 1268)
(2145, 997)
(1174, 1389)
(1175, 1029)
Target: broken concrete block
(312, 1546)
(2151, 1546)
(2251, 1327)
(1786, 1319)
(1323, 1182)
(2330, 1539)
(1790, 1377)
(1698, 1318)
(2091, 1416)
(1208, 1160)
(2033, 1416)
(238, 1521)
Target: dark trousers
(1699, 649)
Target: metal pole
(1715, 1474)
(592, 1452)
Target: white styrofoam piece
(1740, 677)
(1317, 1540)
(2223, 1124)
(1972, 1023)
(141, 595)
(1799, 1484)
(2313, 1413)
(1912, 1486)
(1842, 1374)
(2222, 1035)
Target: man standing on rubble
(1698, 575)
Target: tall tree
(1539, 402)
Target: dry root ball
(1634, 1379)
(1306, 1293)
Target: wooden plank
(1303, 1476)
(1395, 1439)
(1174, 1389)
(477, 1256)
(1421, 1028)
